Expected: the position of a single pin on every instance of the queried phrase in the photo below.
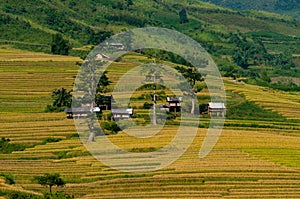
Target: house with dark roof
(174, 104)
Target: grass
(254, 157)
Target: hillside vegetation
(288, 7)
(257, 45)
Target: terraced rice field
(284, 103)
(247, 162)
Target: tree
(97, 37)
(183, 16)
(103, 83)
(61, 97)
(192, 76)
(88, 87)
(59, 45)
(248, 51)
(243, 54)
(129, 3)
(265, 77)
(50, 180)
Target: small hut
(174, 104)
(119, 46)
(101, 56)
(122, 113)
(80, 112)
(216, 109)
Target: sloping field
(231, 170)
(246, 162)
(284, 103)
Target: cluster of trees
(248, 51)
(122, 5)
(251, 51)
(59, 45)
(62, 46)
(129, 19)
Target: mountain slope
(289, 7)
(81, 21)
(223, 32)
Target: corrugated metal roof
(81, 110)
(216, 105)
(174, 99)
(122, 111)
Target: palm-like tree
(61, 97)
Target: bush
(9, 178)
(110, 127)
(71, 154)
(171, 116)
(47, 140)
(51, 108)
(20, 195)
(147, 105)
(59, 195)
(203, 108)
(6, 147)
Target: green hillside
(288, 7)
(224, 33)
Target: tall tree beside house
(101, 89)
(183, 16)
(103, 83)
(50, 180)
(192, 76)
(86, 84)
(59, 45)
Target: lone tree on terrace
(50, 180)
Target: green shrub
(18, 195)
(71, 154)
(6, 147)
(48, 140)
(147, 105)
(59, 195)
(9, 178)
(110, 127)
(50, 108)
